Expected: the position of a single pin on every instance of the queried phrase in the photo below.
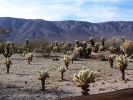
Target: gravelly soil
(22, 83)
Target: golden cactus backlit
(84, 78)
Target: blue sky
(83, 10)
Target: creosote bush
(84, 78)
(43, 75)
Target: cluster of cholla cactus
(111, 59)
(79, 50)
(47, 48)
(114, 50)
(62, 70)
(83, 79)
(56, 47)
(8, 62)
(65, 47)
(43, 75)
(122, 63)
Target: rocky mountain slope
(17, 30)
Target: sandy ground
(22, 83)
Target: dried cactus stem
(111, 62)
(85, 89)
(8, 67)
(29, 60)
(62, 75)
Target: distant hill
(17, 30)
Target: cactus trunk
(123, 73)
(85, 89)
(67, 63)
(29, 61)
(43, 84)
(8, 67)
(62, 75)
(111, 63)
(72, 61)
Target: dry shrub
(113, 42)
(127, 47)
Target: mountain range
(18, 30)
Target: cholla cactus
(102, 44)
(111, 59)
(122, 63)
(56, 49)
(123, 39)
(89, 49)
(77, 43)
(67, 60)
(7, 49)
(102, 41)
(78, 51)
(62, 70)
(96, 47)
(8, 63)
(113, 49)
(101, 48)
(43, 75)
(84, 78)
(92, 41)
(29, 57)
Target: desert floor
(22, 83)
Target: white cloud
(62, 9)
